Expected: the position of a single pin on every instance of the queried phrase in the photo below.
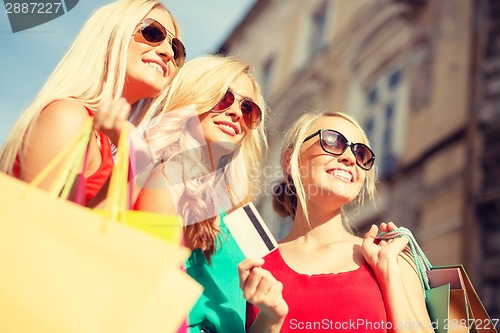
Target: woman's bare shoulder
(67, 112)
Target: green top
(221, 308)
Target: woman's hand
(265, 292)
(386, 227)
(111, 117)
(382, 255)
(397, 276)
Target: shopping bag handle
(71, 157)
(421, 262)
(118, 197)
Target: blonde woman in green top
(209, 140)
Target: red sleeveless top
(96, 181)
(344, 302)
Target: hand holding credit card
(250, 232)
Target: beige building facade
(417, 75)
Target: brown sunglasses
(153, 33)
(250, 110)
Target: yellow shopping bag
(167, 228)
(66, 269)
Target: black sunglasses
(251, 112)
(335, 143)
(153, 33)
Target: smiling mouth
(228, 129)
(341, 174)
(161, 70)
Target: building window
(388, 128)
(372, 96)
(387, 161)
(267, 74)
(312, 34)
(369, 129)
(394, 79)
(318, 28)
(384, 114)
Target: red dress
(344, 302)
(96, 181)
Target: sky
(27, 58)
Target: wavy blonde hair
(94, 66)
(202, 83)
(290, 192)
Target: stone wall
(488, 203)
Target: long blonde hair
(202, 83)
(95, 65)
(290, 192)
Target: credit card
(250, 232)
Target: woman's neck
(323, 227)
(214, 158)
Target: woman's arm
(155, 195)
(401, 289)
(265, 292)
(57, 125)
(111, 117)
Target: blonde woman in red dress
(323, 277)
(124, 56)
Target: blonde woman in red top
(323, 277)
(127, 52)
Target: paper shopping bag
(62, 271)
(466, 312)
(452, 302)
(119, 200)
(447, 301)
